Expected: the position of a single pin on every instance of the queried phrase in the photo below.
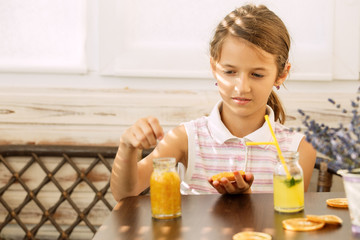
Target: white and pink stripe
(207, 156)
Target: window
(43, 36)
(163, 38)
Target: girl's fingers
(239, 179)
(249, 178)
(217, 186)
(243, 183)
(137, 138)
(147, 136)
(227, 185)
(144, 133)
(240, 185)
(152, 130)
(157, 129)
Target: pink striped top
(213, 149)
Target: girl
(249, 56)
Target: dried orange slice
(229, 175)
(301, 224)
(328, 219)
(337, 202)
(249, 235)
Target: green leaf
(292, 182)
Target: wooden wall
(98, 117)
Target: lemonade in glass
(288, 187)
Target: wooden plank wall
(99, 116)
(86, 117)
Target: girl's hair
(263, 28)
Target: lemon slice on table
(301, 224)
(337, 202)
(328, 219)
(249, 235)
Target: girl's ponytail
(275, 103)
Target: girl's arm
(307, 158)
(129, 176)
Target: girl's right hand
(143, 134)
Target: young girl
(249, 56)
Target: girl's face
(245, 75)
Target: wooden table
(220, 217)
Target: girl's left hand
(241, 184)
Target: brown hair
(263, 28)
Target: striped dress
(213, 149)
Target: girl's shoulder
(286, 135)
(280, 128)
(196, 123)
(199, 119)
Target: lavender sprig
(339, 144)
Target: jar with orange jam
(165, 194)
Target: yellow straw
(278, 148)
(275, 142)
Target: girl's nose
(242, 84)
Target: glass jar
(165, 194)
(288, 189)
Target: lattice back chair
(80, 164)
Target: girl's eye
(228, 72)
(257, 75)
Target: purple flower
(339, 144)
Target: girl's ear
(281, 79)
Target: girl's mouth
(241, 100)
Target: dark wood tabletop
(220, 217)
